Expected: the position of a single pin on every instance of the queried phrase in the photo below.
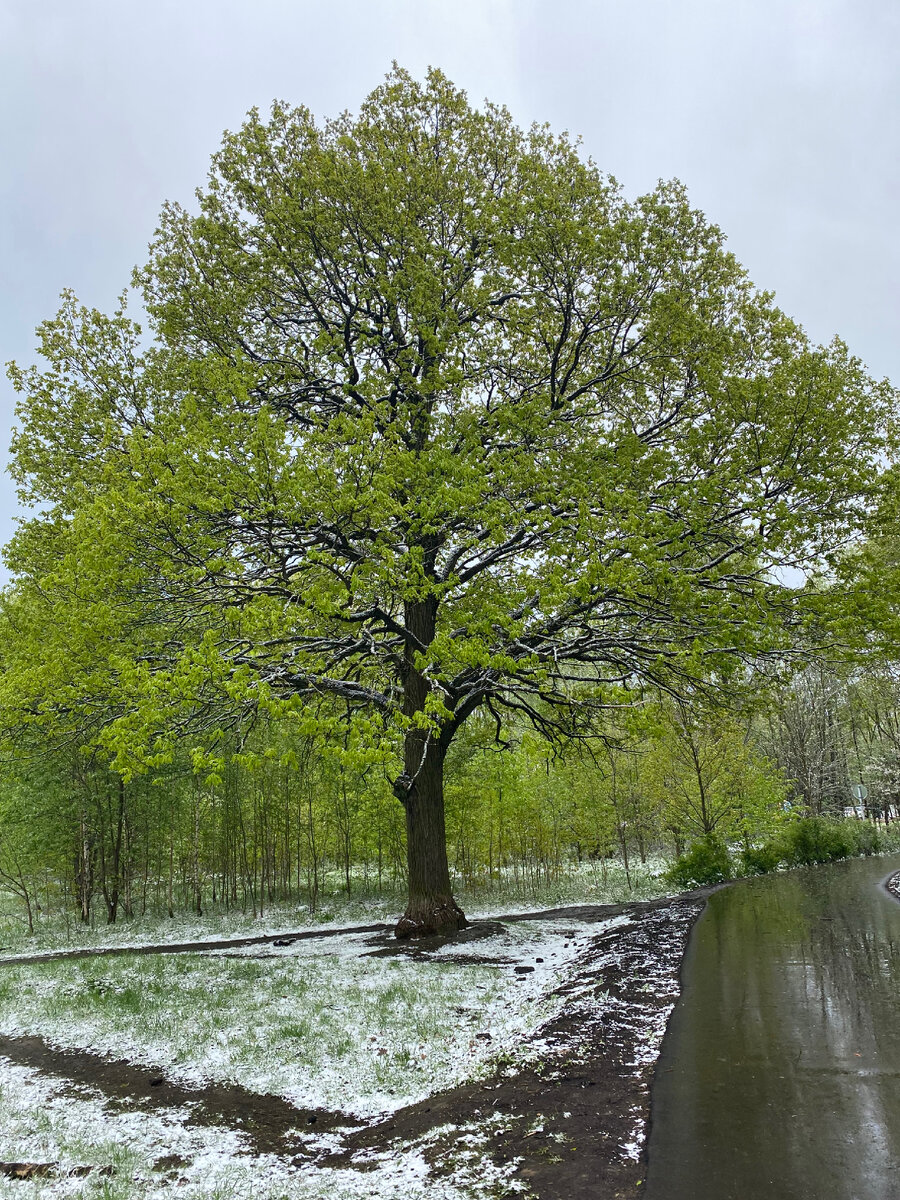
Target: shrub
(705, 862)
(889, 837)
(866, 838)
(801, 843)
(818, 840)
(810, 840)
(759, 860)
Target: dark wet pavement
(780, 1073)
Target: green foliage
(561, 421)
(819, 840)
(708, 776)
(760, 860)
(812, 840)
(864, 838)
(706, 862)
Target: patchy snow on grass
(351, 1023)
(322, 1023)
(154, 1156)
(586, 883)
(581, 883)
(61, 933)
(184, 928)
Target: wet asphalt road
(780, 1073)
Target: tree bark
(84, 871)
(431, 908)
(111, 894)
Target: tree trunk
(84, 872)
(111, 894)
(431, 908)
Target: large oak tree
(434, 420)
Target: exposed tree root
(434, 919)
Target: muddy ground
(573, 1120)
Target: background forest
(284, 819)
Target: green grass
(345, 1025)
(321, 1025)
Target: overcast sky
(780, 116)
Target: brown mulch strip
(268, 1121)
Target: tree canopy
(432, 419)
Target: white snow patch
(580, 884)
(39, 1123)
(320, 1022)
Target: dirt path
(573, 1118)
(267, 1121)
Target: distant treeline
(274, 816)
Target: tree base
(431, 918)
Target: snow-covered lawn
(154, 1156)
(321, 1023)
(587, 883)
(348, 1023)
